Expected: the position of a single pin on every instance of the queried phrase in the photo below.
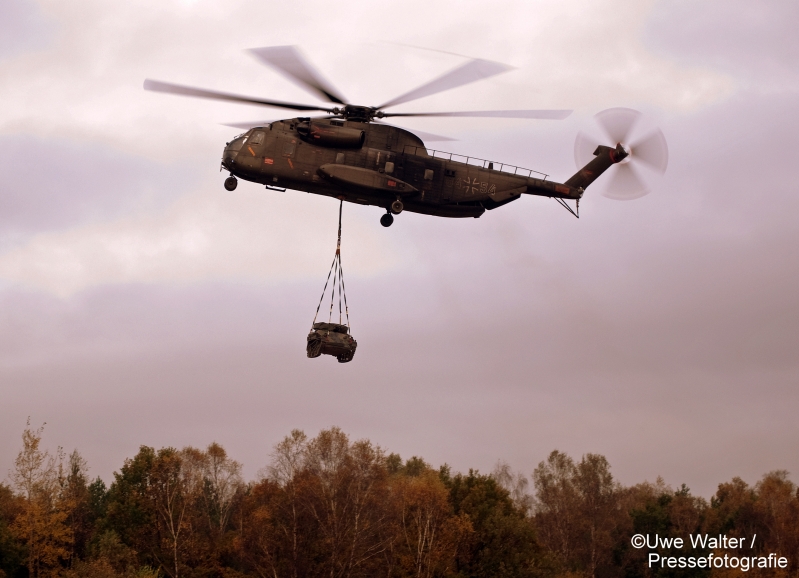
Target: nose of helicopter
(229, 155)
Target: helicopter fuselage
(378, 164)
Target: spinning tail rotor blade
(627, 181)
(158, 86)
(617, 123)
(626, 184)
(652, 150)
(584, 147)
(472, 71)
(288, 61)
(539, 114)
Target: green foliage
(128, 508)
(503, 542)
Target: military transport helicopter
(350, 155)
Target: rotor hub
(358, 113)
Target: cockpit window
(257, 138)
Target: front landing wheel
(387, 219)
(231, 183)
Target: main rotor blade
(262, 123)
(248, 125)
(158, 86)
(652, 150)
(625, 184)
(425, 136)
(288, 61)
(539, 114)
(617, 123)
(472, 71)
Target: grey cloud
(51, 183)
(23, 27)
(753, 40)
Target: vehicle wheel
(231, 183)
(314, 348)
(346, 357)
(387, 219)
(397, 206)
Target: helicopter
(349, 154)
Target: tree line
(331, 507)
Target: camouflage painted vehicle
(331, 339)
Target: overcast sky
(141, 303)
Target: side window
(257, 138)
(288, 148)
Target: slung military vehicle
(350, 155)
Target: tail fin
(604, 158)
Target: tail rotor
(648, 152)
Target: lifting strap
(338, 281)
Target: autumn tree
(42, 524)
(344, 489)
(423, 532)
(577, 511)
(767, 512)
(222, 484)
(288, 461)
(777, 507)
(557, 509)
(12, 551)
(264, 544)
(515, 483)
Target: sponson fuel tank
(365, 179)
(331, 135)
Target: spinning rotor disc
(648, 151)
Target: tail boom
(604, 158)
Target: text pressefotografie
(744, 563)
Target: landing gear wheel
(397, 206)
(387, 219)
(314, 348)
(231, 183)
